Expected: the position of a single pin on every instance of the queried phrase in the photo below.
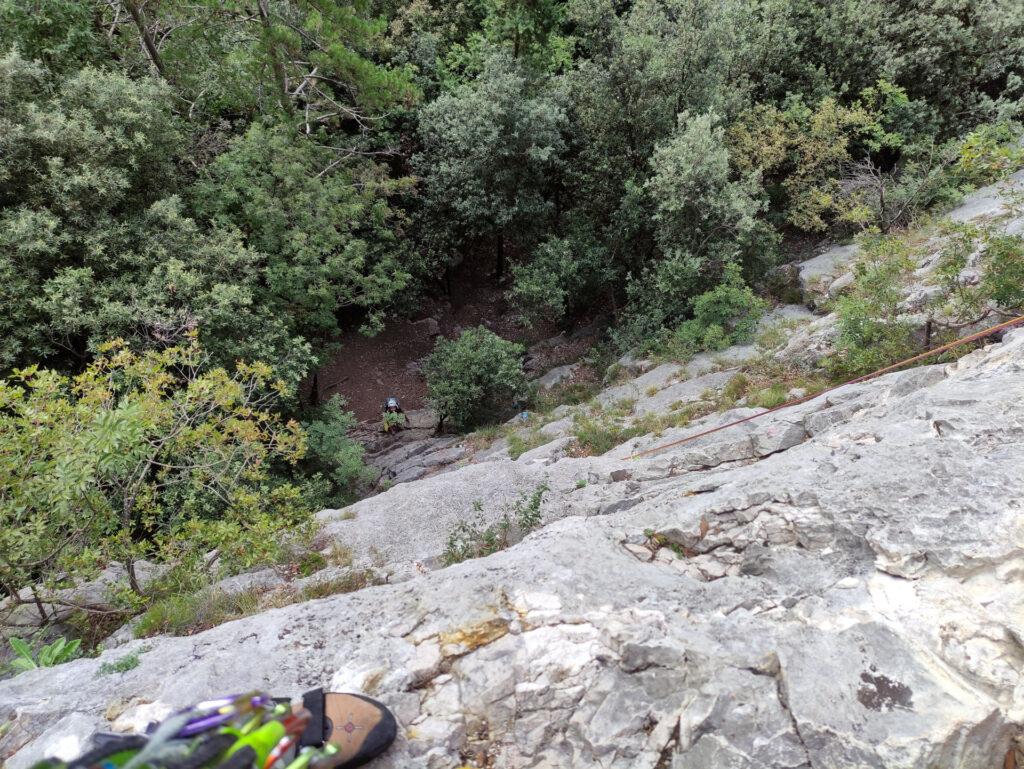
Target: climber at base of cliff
(250, 731)
(393, 416)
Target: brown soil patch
(367, 370)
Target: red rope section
(858, 380)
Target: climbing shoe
(359, 728)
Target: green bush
(872, 332)
(331, 452)
(1001, 287)
(1003, 272)
(154, 455)
(988, 153)
(727, 314)
(477, 378)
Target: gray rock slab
(833, 585)
(827, 265)
(556, 376)
(989, 201)
(682, 392)
(657, 378)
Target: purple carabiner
(224, 709)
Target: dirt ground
(367, 370)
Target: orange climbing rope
(864, 378)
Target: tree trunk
(314, 393)
(499, 271)
(280, 76)
(133, 580)
(135, 11)
(881, 204)
(39, 607)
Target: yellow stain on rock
(470, 638)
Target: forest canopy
(270, 173)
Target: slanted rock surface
(834, 585)
(838, 584)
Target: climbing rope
(858, 380)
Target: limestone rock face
(836, 585)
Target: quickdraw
(247, 731)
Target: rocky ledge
(836, 585)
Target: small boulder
(428, 326)
(840, 284)
(557, 376)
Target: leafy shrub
(56, 653)
(334, 454)
(475, 379)
(872, 333)
(800, 150)
(727, 314)
(562, 275)
(526, 511)
(1001, 263)
(1003, 272)
(959, 299)
(928, 176)
(988, 153)
(144, 456)
(391, 420)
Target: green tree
(334, 454)
(332, 241)
(564, 274)
(313, 58)
(60, 34)
(474, 379)
(802, 152)
(639, 66)
(705, 221)
(488, 151)
(155, 455)
(961, 58)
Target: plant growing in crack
(475, 539)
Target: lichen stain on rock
(882, 694)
